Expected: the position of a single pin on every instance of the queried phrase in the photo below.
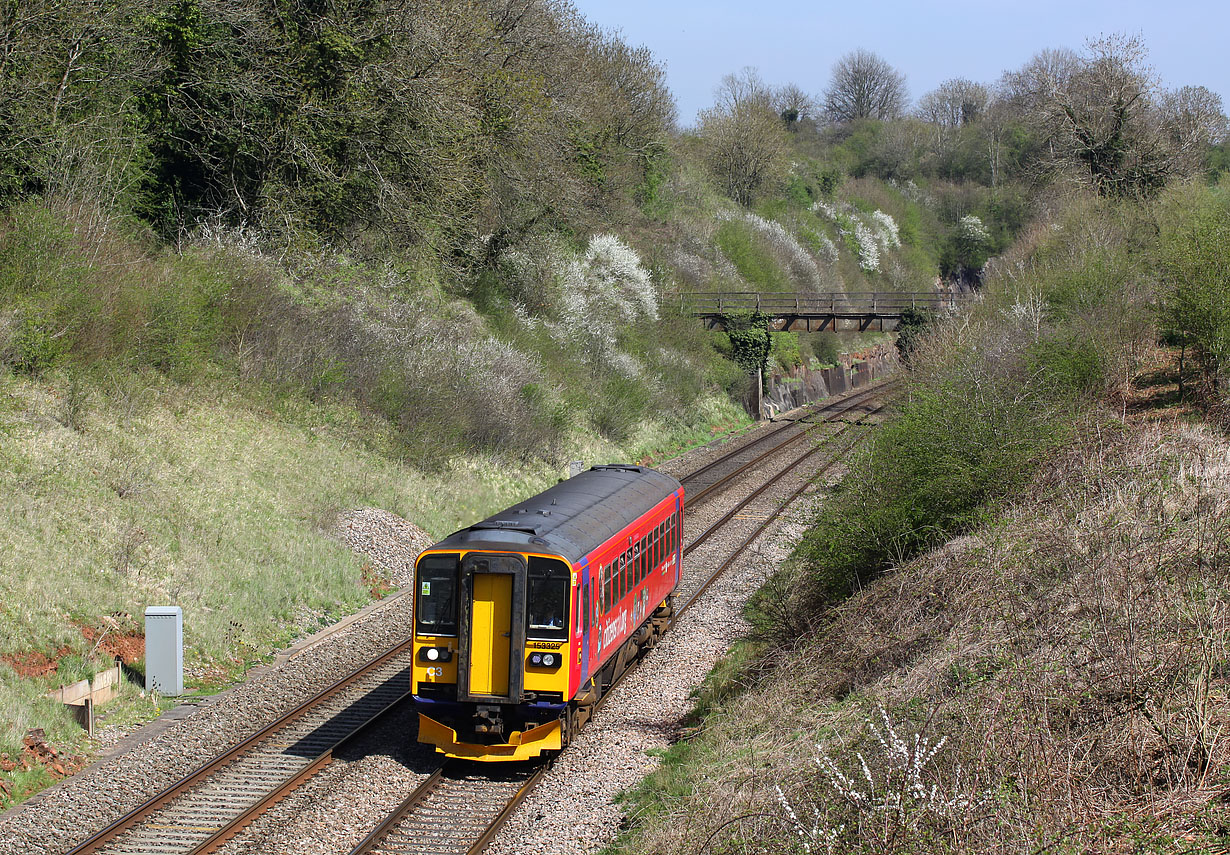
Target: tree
(794, 105)
(1106, 121)
(865, 86)
(954, 103)
(743, 137)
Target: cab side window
(546, 601)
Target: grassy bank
(1052, 680)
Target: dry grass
(1073, 654)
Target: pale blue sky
(797, 42)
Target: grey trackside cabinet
(164, 650)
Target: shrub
(1195, 266)
(913, 324)
(785, 349)
(925, 474)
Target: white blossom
(899, 788)
(599, 291)
(868, 247)
(886, 230)
(972, 229)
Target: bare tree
(794, 105)
(1192, 118)
(954, 103)
(1026, 89)
(1107, 121)
(865, 86)
(744, 139)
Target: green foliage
(926, 474)
(376, 125)
(1195, 266)
(747, 252)
(623, 402)
(913, 324)
(967, 249)
(1071, 361)
(650, 194)
(784, 349)
(799, 192)
(750, 341)
(828, 179)
(35, 345)
(1217, 162)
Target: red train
(523, 620)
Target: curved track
(459, 808)
(710, 478)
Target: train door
(492, 627)
(491, 634)
(677, 522)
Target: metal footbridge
(809, 312)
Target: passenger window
(546, 606)
(585, 607)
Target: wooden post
(759, 392)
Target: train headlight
(435, 654)
(539, 659)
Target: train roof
(574, 517)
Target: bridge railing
(834, 303)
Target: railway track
(709, 479)
(203, 810)
(458, 810)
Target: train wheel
(572, 725)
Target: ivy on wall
(750, 342)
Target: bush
(754, 261)
(927, 473)
(1195, 267)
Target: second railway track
(203, 810)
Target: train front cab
(478, 699)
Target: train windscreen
(437, 595)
